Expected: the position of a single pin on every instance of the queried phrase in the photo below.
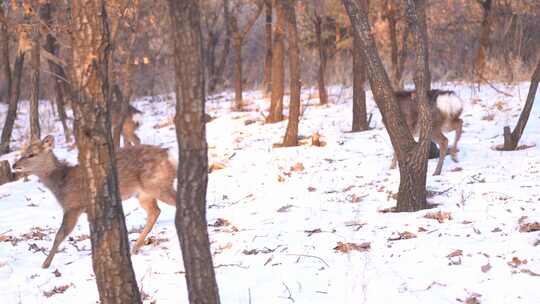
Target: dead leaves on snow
(56, 290)
(440, 216)
(405, 235)
(348, 247)
(528, 226)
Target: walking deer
(446, 108)
(131, 123)
(143, 170)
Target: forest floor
(306, 224)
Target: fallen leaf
(311, 189)
(347, 247)
(311, 232)
(440, 216)
(280, 179)
(297, 167)
(516, 262)
(455, 253)
(55, 290)
(215, 166)
(485, 268)
(405, 235)
(220, 222)
(57, 273)
(284, 208)
(529, 227)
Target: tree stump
(6, 175)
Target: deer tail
(450, 104)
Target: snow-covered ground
(303, 224)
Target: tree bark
(323, 96)
(60, 81)
(115, 278)
(412, 194)
(190, 218)
(6, 175)
(359, 120)
(291, 135)
(268, 57)
(218, 75)
(35, 130)
(278, 69)
(485, 32)
(14, 94)
(511, 140)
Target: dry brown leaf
(55, 290)
(473, 299)
(529, 227)
(284, 208)
(220, 222)
(297, 167)
(455, 253)
(311, 189)
(316, 140)
(215, 166)
(57, 273)
(440, 216)
(280, 178)
(516, 262)
(405, 235)
(347, 247)
(485, 268)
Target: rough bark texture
(218, 75)
(485, 31)
(291, 135)
(14, 94)
(90, 76)
(35, 130)
(190, 219)
(59, 75)
(323, 58)
(359, 120)
(511, 140)
(412, 194)
(278, 68)
(268, 45)
(6, 175)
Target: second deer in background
(446, 108)
(131, 123)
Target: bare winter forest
(269, 151)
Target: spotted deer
(131, 123)
(446, 108)
(143, 170)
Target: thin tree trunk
(35, 130)
(218, 75)
(278, 68)
(392, 29)
(14, 94)
(511, 140)
(237, 46)
(323, 95)
(359, 121)
(12, 108)
(402, 58)
(268, 57)
(485, 32)
(59, 76)
(115, 278)
(291, 135)
(412, 191)
(190, 218)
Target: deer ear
(48, 142)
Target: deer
(446, 108)
(143, 170)
(131, 123)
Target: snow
(282, 225)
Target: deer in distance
(143, 170)
(131, 123)
(446, 108)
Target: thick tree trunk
(60, 81)
(115, 278)
(190, 218)
(323, 96)
(391, 18)
(35, 130)
(6, 175)
(511, 140)
(278, 69)
(359, 121)
(291, 135)
(412, 194)
(14, 94)
(268, 45)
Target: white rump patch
(137, 118)
(449, 104)
(173, 159)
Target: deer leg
(149, 204)
(440, 139)
(459, 128)
(68, 223)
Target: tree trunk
(291, 135)
(392, 29)
(359, 121)
(14, 93)
(402, 58)
(218, 75)
(278, 69)
(115, 278)
(35, 130)
(6, 175)
(190, 218)
(237, 46)
(123, 104)
(485, 32)
(268, 57)
(412, 191)
(59, 76)
(323, 96)
(511, 140)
